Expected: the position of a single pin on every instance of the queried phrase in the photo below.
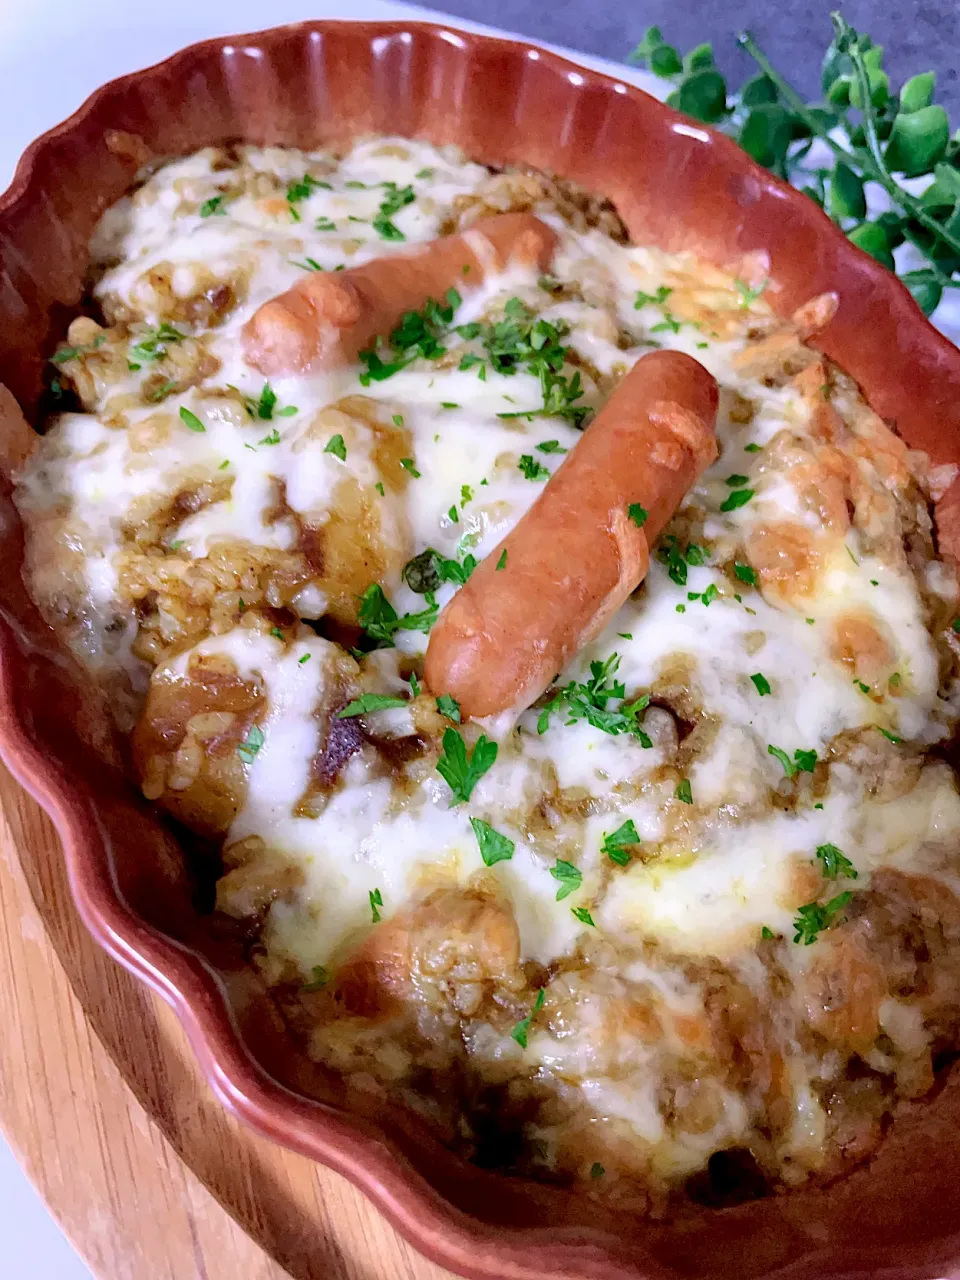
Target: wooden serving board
(102, 1101)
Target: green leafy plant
(867, 133)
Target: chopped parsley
(748, 295)
(835, 863)
(419, 333)
(212, 207)
(302, 190)
(616, 843)
(449, 707)
(466, 494)
(162, 391)
(570, 878)
(597, 1170)
(425, 572)
(761, 683)
(519, 1032)
(191, 420)
(802, 762)
(395, 200)
(672, 554)
(745, 573)
(414, 684)
(376, 902)
(637, 514)
(369, 702)
(767, 933)
(532, 469)
(651, 299)
(752, 448)
(408, 464)
(453, 515)
(306, 658)
(308, 264)
(267, 402)
(588, 700)
(461, 769)
(320, 979)
(891, 737)
(379, 619)
(251, 744)
(584, 916)
(502, 562)
(734, 481)
(814, 917)
(738, 498)
(494, 847)
(324, 223)
(153, 345)
(684, 791)
(522, 341)
(336, 446)
(551, 446)
(272, 437)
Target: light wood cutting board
(102, 1101)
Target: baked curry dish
(551, 640)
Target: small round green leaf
(917, 92)
(944, 191)
(698, 58)
(917, 141)
(926, 289)
(758, 90)
(664, 61)
(846, 199)
(872, 239)
(702, 95)
(766, 135)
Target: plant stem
(871, 165)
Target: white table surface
(53, 54)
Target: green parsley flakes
(584, 916)
(531, 468)
(814, 917)
(368, 702)
(213, 207)
(248, 748)
(637, 514)
(745, 573)
(502, 562)
(761, 683)
(336, 446)
(190, 420)
(570, 878)
(802, 762)
(376, 902)
(460, 769)
(521, 1030)
(616, 843)
(449, 707)
(738, 498)
(409, 465)
(684, 791)
(835, 864)
(494, 847)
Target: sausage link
(576, 555)
(328, 318)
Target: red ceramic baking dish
(677, 185)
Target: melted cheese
(709, 877)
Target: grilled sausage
(328, 318)
(577, 554)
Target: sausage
(576, 555)
(328, 318)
